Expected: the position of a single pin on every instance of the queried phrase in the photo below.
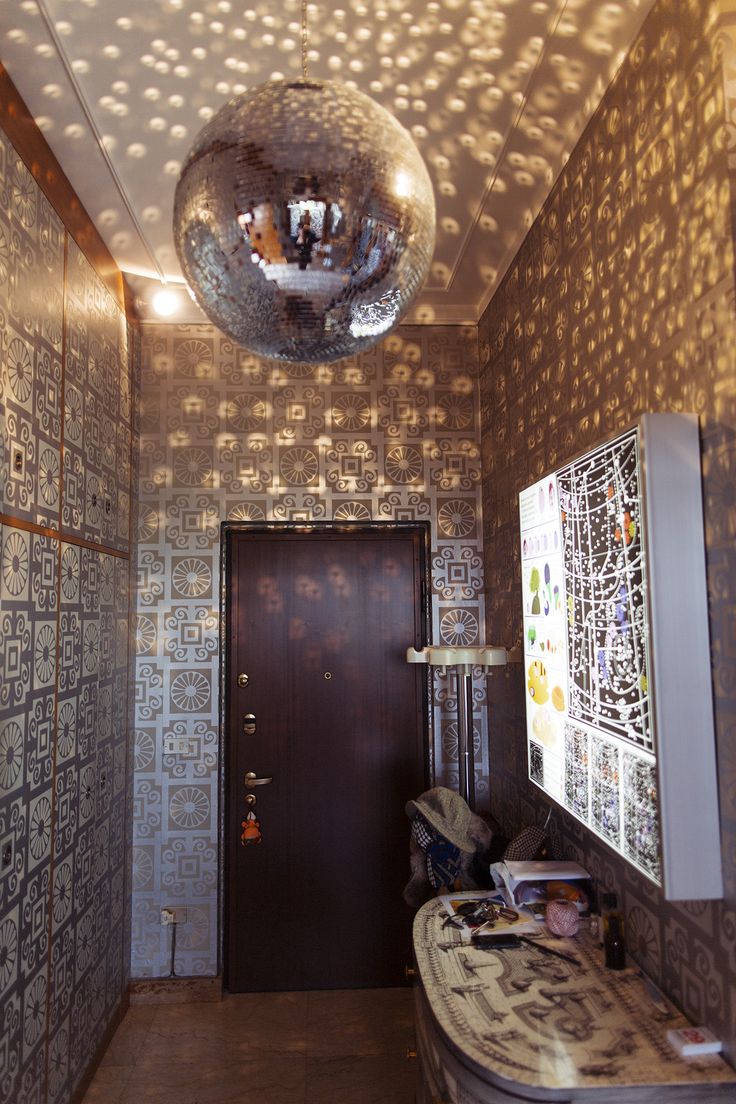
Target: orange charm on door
(251, 830)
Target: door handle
(251, 780)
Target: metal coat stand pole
(462, 660)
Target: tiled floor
(327, 1047)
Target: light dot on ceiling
(109, 217)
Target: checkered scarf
(442, 857)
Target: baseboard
(184, 990)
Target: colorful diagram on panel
(589, 718)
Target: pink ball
(562, 917)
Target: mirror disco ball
(304, 221)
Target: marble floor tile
(365, 1080)
(346, 1046)
(276, 1081)
(108, 1084)
(130, 1036)
(360, 1022)
(248, 1024)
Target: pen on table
(549, 950)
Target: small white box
(688, 1041)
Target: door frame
(229, 529)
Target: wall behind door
(392, 435)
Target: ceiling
(494, 92)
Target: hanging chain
(304, 39)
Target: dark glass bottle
(613, 939)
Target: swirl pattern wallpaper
(123, 448)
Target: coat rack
(462, 660)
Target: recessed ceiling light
(165, 302)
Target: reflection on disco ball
(304, 221)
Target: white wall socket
(173, 914)
(180, 745)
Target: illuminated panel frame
(616, 651)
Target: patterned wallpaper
(620, 301)
(391, 435)
(64, 886)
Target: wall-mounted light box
(616, 651)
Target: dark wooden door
(319, 621)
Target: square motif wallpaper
(391, 435)
(65, 451)
(621, 301)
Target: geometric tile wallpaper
(621, 301)
(390, 435)
(65, 406)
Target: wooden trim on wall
(18, 123)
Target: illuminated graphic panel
(589, 716)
